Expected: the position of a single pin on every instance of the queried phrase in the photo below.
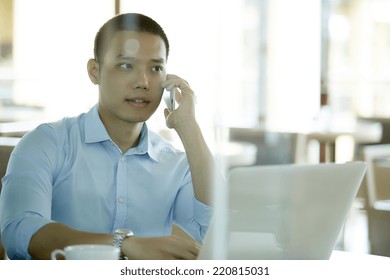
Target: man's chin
(137, 119)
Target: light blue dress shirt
(71, 172)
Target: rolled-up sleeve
(25, 203)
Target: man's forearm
(200, 160)
(57, 236)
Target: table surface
(343, 255)
(9, 141)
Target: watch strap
(117, 242)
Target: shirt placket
(121, 194)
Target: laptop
(284, 211)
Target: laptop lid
(287, 211)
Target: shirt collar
(94, 127)
(145, 144)
(96, 132)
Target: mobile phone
(170, 99)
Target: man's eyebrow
(158, 60)
(126, 57)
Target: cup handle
(57, 252)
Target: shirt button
(123, 158)
(121, 199)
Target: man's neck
(126, 137)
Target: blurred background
(277, 81)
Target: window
(359, 60)
(6, 34)
(51, 43)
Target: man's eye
(157, 68)
(126, 66)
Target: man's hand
(160, 248)
(186, 99)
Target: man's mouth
(137, 102)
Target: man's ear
(93, 71)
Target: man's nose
(142, 79)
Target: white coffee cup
(87, 252)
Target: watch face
(124, 232)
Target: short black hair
(131, 22)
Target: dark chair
(378, 197)
(7, 144)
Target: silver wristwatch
(119, 236)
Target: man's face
(130, 77)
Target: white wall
(53, 41)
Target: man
(103, 177)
